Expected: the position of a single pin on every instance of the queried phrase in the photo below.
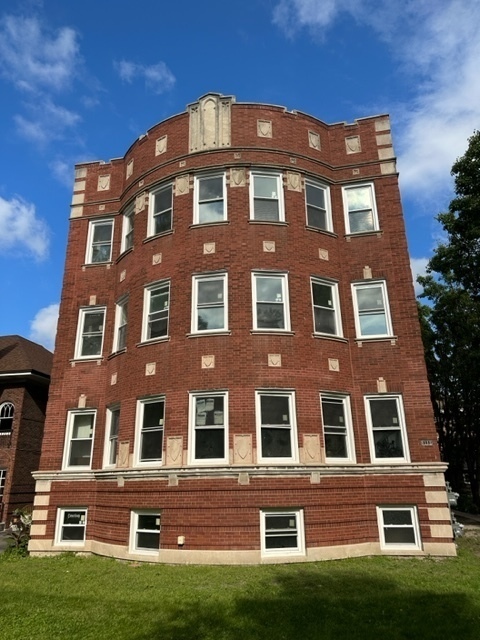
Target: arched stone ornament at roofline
(210, 123)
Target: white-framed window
(276, 426)
(127, 228)
(99, 243)
(160, 210)
(209, 303)
(282, 532)
(326, 307)
(79, 439)
(71, 525)
(208, 427)
(3, 477)
(7, 411)
(210, 199)
(266, 196)
(156, 310)
(91, 323)
(144, 531)
(270, 302)
(360, 208)
(372, 310)
(386, 428)
(150, 422)
(337, 428)
(317, 202)
(110, 450)
(398, 527)
(121, 323)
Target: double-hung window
(71, 526)
(7, 411)
(317, 199)
(337, 428)
(3, 476)
(209, 303)
(91, 323)
(210, 199)
(276, 426)
(326, 307)
(79, 440)
(144, 532)
(386, 429)
(266, 197)
(160, 210)
(111, 437)
(150, 425)
(156, 311)
(99, 243)
(121, 322)
(398, 528)
(208, 428)
(360, 208)
(127, 228)
(270, 302)
(372, 312)
(282, 532)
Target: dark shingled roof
(18, 354)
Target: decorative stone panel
(129, 171)
(160, 145)
(150, 368)
(311, 448)
(352, 144)
(182, 185)
(174, 451)
(274, 360)
(92, 300)
(208, 362)
(314, 140)
(157, 258)
(113, 379)
(269, 246)
(264, 129)
(140, 202)
(367, 273)
(242, 448)
(210, 123)
(103, 183)
(82, 401)
(294, 181)
(381, 385)
(238, 177)
(333, 364)
(208, 248)
(123, 454)
(323, 254)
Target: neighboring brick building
(239, 373)
(24, 378)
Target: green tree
(451, 324)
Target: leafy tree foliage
(451, 325)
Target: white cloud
(418, 267)
(34, 58)
(47, 122)
(157, 77)
(21, 230)
(43, 327)
(63, 171)
(437, 45)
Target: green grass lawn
(67, 597)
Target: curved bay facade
(238, 374)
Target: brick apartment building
(239, 374)
(24, 378)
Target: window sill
(327, 336)
(271, 332)
(206, 334)
(146, 343)
(158, 235)
(89, 265)
(278, 223)
(114, 354)
(363, 234)
(200, 225)
(391, 339)
(97, 359)
(324, 232)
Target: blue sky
(81, 81)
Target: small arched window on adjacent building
(6, 418)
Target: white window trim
(195, 282)
(415, 526)
(281, 202)
(376, 226)
(3, 480)
(388, 319)
(286, 306)
(401, 427)
(146, 309)
(196, 195)
(106, 446)
(83, 311)
(336, 307)
(7, 407)
(328, 206)
(299, 550)
(132, 546)
(138, 432)
(151, 206)
(119, 306)
(347, 411)
(191, 429)
(89, 251)
(128, 225)
(68, 439)
(293, 426)
(59, 525)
